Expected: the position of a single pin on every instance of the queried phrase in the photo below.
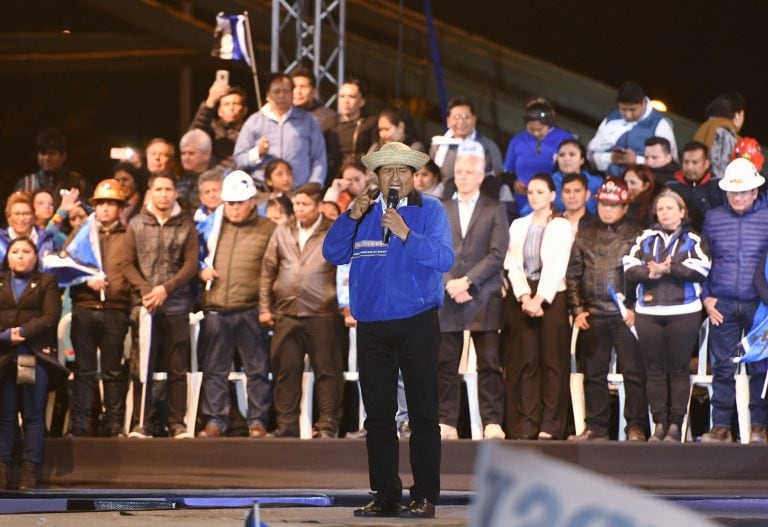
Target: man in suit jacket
(473, 295)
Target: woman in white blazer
(537, 360)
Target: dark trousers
(169, 352)
(95, 330)
(412, 345)
(723, 339)
(610, 332)
(489, 378)
(667, 344)
(228, 333)
(32, 398)
(317, 337)
(538, 371)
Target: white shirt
(304, 234)
(466, 208)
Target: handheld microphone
(393, 197)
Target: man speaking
(396, 288)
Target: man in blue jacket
(280, 130)
(396, 288)
(737, 238)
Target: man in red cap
(594, 267)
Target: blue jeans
(229, 333)
(33, 399)
(723, 339)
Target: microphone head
(393, 197)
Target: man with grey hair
(209, 190)
(491, 186)
(473, 295)
(195, 147)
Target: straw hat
(395, 153)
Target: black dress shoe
(379, 508)
(422, 508)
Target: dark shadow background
(682, 54)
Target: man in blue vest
(620, 139)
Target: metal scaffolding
(298, 32)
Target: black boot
(658, 433)
(4, 474)
(27, 475)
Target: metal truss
(299, 29)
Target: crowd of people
(614, 238)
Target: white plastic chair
(352, 375)
(468, 370)
(307, 397)
(578, 398)
(578, 401)
(701, 378)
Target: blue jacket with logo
(396, 280)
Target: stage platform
(340, 464)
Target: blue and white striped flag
(754, 345)
(80, 260)
(209, 231)
(229, 39)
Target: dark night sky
(681, 56)
(683, 53)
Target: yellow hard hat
(108, 189)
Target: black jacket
(596, 263)
(37, 312)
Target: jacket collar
(680, 178)
(5, 285)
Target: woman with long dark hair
(30, 308)
(643, 189)
(537, 359)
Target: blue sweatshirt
(396, 280)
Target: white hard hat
(237, 186)
(741, 175)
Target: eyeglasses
(461, 117)
(19, 214)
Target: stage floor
(726, 483)
(340, 464)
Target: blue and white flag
(229, 39)
(618, 299)
(209, 231)
(80, 261)
(754, 346)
